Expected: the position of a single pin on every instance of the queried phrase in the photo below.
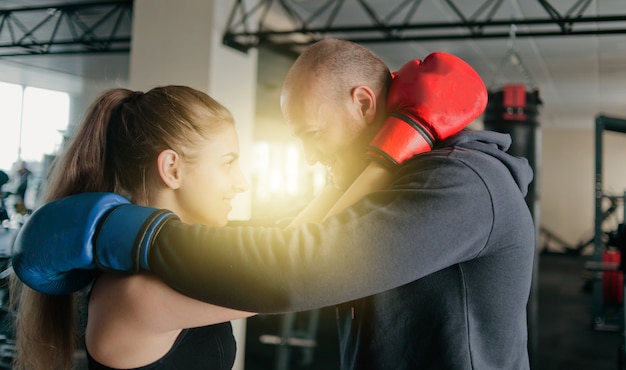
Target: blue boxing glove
(56, 251)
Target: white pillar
(180, 42)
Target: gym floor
(565, 338)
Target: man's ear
(365, 100)
(169, 166)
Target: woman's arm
(150, 303)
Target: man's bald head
(334, 100)
(337, 66)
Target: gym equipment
(294, 335)
(608, 264)
(606, 259)
(587, 239)
(7, 314)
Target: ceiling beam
(252, 23)
(82, 28)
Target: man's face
(331, 130)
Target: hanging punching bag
(514, 111)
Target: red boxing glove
(428, 101)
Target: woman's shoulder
(124, 323)
(131, 297)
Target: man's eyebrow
(298, 132)
(302, 131)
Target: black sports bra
(206, 347)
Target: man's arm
(388, 239)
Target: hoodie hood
(496, 145)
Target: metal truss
(290, 24)
(85, 28)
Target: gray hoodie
(433, 272)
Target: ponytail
(45, 327)
(82, 167)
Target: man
(433, 272)
(23, 174)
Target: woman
(172, 147)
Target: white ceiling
(578, 77)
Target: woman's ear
(169, 166)
(365, 100)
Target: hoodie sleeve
(437, 213)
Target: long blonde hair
(113, 150)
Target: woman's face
(211, 181)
